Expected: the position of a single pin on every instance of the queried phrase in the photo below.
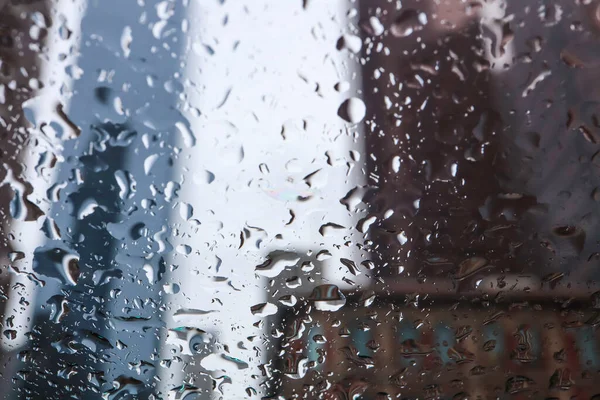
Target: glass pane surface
(302, 199)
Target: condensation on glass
(303, 199)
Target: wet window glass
(301, 199)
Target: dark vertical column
(552, 88)
(436, 154)
(23, 32)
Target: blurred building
(480, 202)
(397, 347)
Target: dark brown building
(483, 182)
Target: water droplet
(407, 22)
(57, 263)
(328, 298)
(276, 263)
(350, 42)
(126, 39)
